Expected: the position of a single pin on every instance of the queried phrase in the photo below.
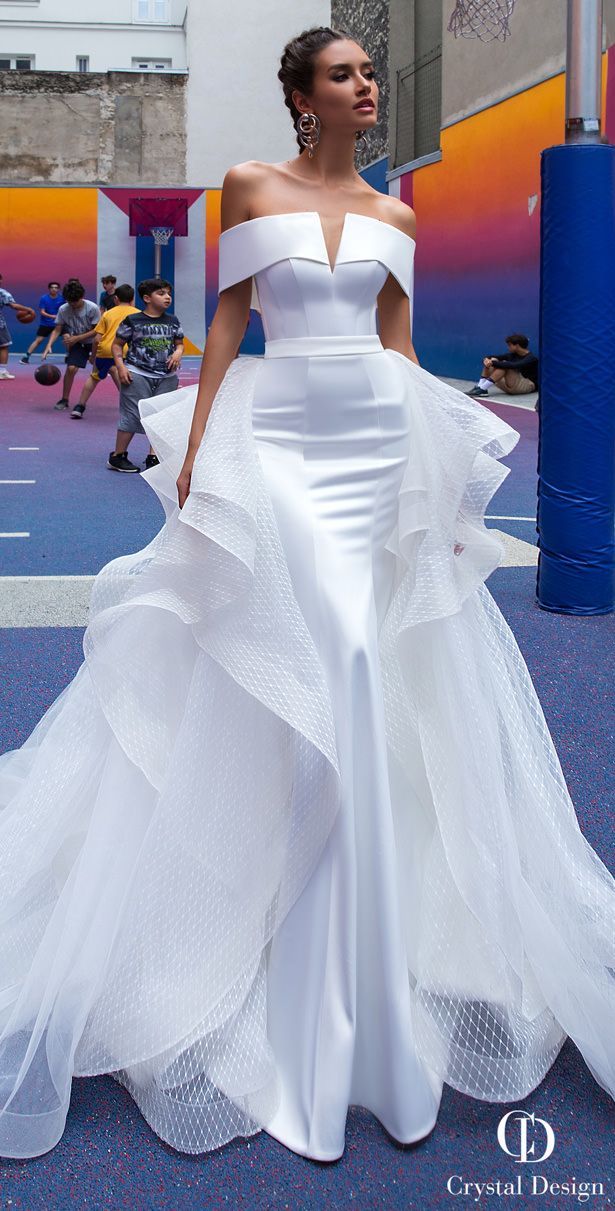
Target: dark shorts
(78, 355)
(140, 388)
(43, 330)
(102, 366)
(5, 336)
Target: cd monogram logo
(526, 1154)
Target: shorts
(101, 368)
(43, 330)
(78, 355)
(5, 336)
(140, 388)
(515, 383)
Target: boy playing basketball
(102, 345)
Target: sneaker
(25, 359)
(120, 462)
(6, 374)
(61, 405)
(151, 460)
(478, 391)
(78, 411)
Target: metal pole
(583, 71)
(157, 260)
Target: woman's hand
(183, 480)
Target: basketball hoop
(162, 218)
(484, 19)
(161, 235)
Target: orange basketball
(25, 315)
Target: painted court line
(24, 447)
(17, 481)
(16, 534)
(501, 517)
(35, 579)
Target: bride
(314, 846)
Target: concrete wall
(235, 108)
(368, 22)
(120, 128)
(478, 74)
(57, 31)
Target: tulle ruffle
(133, 937)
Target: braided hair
(297, 63)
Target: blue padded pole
(576, 453)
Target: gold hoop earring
(308, 129)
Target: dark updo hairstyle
(297, 62)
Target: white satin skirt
(334, 452)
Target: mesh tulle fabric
(514, 944)
(144, 868)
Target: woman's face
(344, 93)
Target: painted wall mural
(477, 268)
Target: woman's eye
(342, 77)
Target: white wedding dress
(296, 836)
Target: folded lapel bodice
(251, 247)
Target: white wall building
(235, 106)
(79, 35)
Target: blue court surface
(63, 515)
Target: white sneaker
(6, 374)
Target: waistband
(322, 346)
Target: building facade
(69, 36)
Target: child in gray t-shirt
(76, 321)
(155, 343)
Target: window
(17, 63)
(155, 11)
(418, 102)
(152, 64)
(83, 62)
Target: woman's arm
(228, 325)
(394, 319)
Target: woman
(323, 852)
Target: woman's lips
(369, 105)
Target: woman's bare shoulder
(398, 214)
(242, 185)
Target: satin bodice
(296, 290)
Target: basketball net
(484, 19)
(161, 235)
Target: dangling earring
(308, 129)
(360, 141)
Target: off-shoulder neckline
(316, 214)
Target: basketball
(25, 315)
(47, 374)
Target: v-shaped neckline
(350, 214)
(332, 264)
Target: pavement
(63, 514)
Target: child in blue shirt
(49, 304)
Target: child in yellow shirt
(102, 360)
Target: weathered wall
(368, 22)
(115, 128)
